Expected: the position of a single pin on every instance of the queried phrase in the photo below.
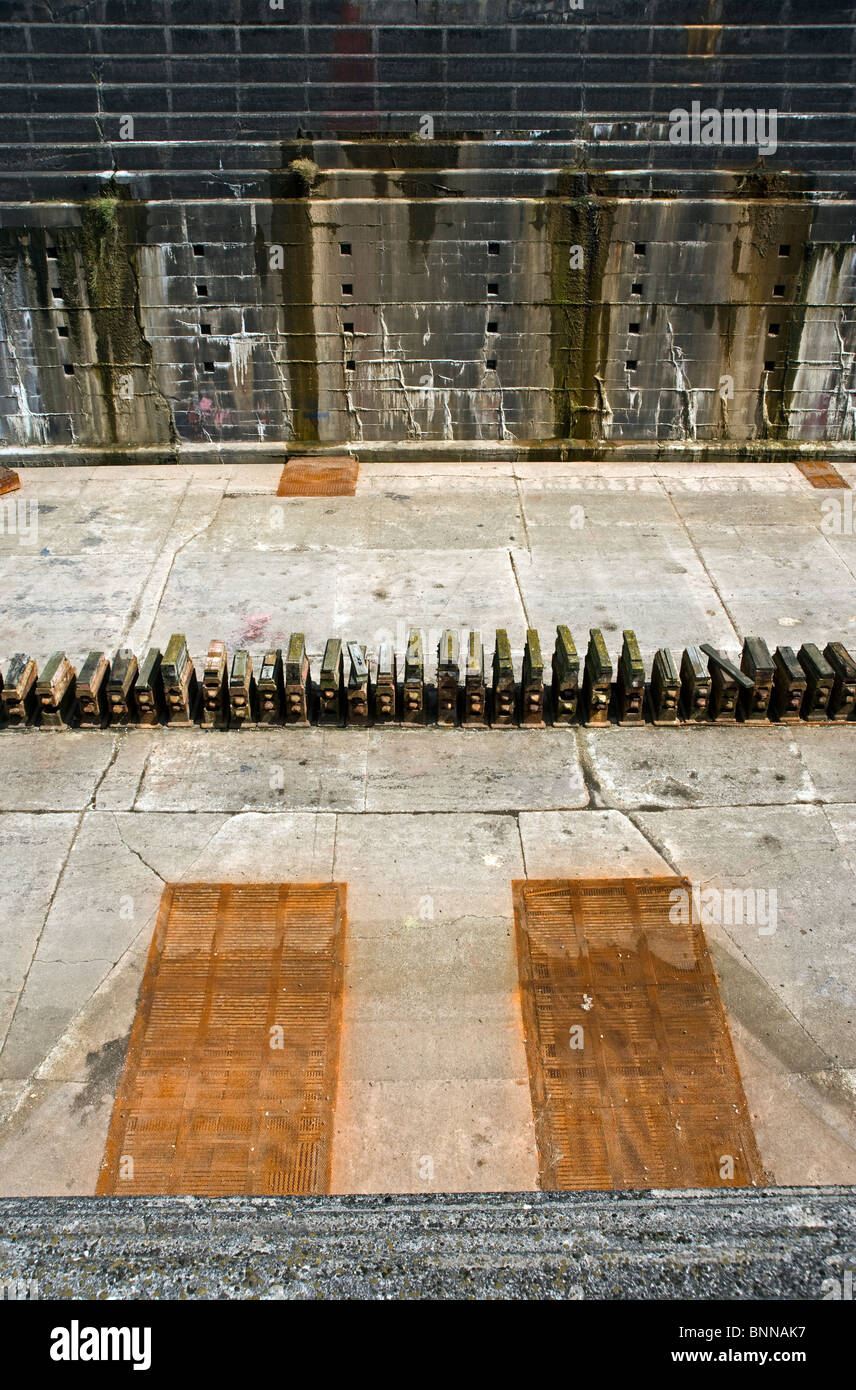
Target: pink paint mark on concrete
(254, 627)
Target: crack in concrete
(90, 806)
(175, 554)
(151, 868)
(521, 509)
(135, 612)
(522, 850)
(144, 770)
(519, 588)
(651, 840)
(41, 932)
(713, 584)
(211, 838)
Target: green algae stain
(292, 228)
(97, 264)
(578, 310)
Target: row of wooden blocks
(358, 689)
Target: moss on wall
(292, 228)
(97, 264)
(579, 315)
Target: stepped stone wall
(449, 223)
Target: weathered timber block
(504, 704)
(243, 694)
(180, 684)
(597, 679)
(297, 682)
(566, 677)
(331, 685)
(93, 712)
(448, 678)
(664, 692)
(215, 692)
(413, 692)
(56, 690)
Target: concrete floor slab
(11, 1092)
(490, 471)
(170, 846)
(802, 1137)
(52, 996)
(302, 769)
(370, 595)
(463, 863)
(460, 968)
(106, 894)
(49, 484)
(52, 1140)
(664, 593)
(117, 788)
(193, 515)
(105, 520)
(387, 520)
(430, 1000)
(725, 766)
(240, 848)
(786, 584)
(597, 844)
(556, 508)
(65, 602)
(725, 503)
(8, 1003)
(434, 1136)
(829, 763)
(247, 479)
(36, 776)
(442, 1049)
(809, 958)
(472, 769)
(33, 850)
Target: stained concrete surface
(427, 827)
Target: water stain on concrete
(103, 1067)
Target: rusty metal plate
(321, 477)
(821, 474)
(230, 1077)
(9, 480)
(633, 1076)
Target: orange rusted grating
(821, 474)
(321, 477)
(633, 1077)
(9, 480)
(230, 1078)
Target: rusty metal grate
(633, 1077)
(322, 477)
(821, 474)
(230, 1078)
(9, 480)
